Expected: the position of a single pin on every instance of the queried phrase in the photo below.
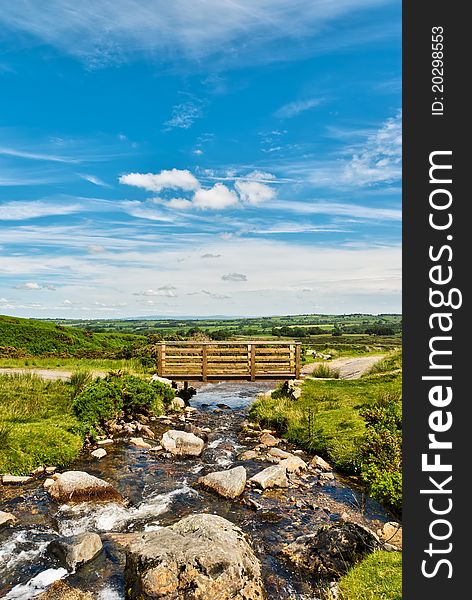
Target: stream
(161, 491)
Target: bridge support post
(253, 362)
(161, 359)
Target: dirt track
(49, 374)
(349, 367)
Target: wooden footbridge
(228, 361)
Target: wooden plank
(253, 362)
(204, 364)
(297, 361)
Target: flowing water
(161, 491)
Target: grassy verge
(45, 423)
(326, 418)
(37, 424)
(391, 362)
(132, 365)
(377, 577)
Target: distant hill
(29, 337)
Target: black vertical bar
(435, 119)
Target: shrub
(325, 372)
(382, 450)
(118, 396)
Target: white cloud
(210, 255)
(254, 192)
(144, 211)
(33, 285)
(37, 155)
(292, 109)
(95, 249)
(219, 196)
(95, 180)
(165, 290)
(355, 211)
(167, 179)
(179, 203)
(215, 295)
(380, 158)
(23, 210)
(234, 277)
(116, 30)
(184, 114)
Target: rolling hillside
(28, 337)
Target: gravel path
(49, 374)
(349, 367)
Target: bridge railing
(217, 361)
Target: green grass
(326, 418)
(37, 425)
(391, 362)
(377, 577)
(131, 365)
(29, 337)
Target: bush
(325, 372)
(118, 396)
(382, 451)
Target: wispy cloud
(37, 155)
(353, 210)
(95, 180)
(292, 109)
(23, 210)
(184, 114)
(234, 277)
(380, 158)
(112, 31)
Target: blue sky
(200, 158)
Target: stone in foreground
(78, 486)
(275, 476)
(229, 484)
(7, 518)
(77, 550)
(182, 443)
(204, 557)
(332, 549)
(63, 591)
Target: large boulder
(332, 549)
(7, 518)
(63, 591)
(275, 476)
(203, 557)
(229, 484)
(78, 486)
(182, 443)
(71, 552)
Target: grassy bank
(44, 423)
(132, 365)
(377, 577)
(326, 418)
(37, 424)
(355, 424)
(23, 338)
